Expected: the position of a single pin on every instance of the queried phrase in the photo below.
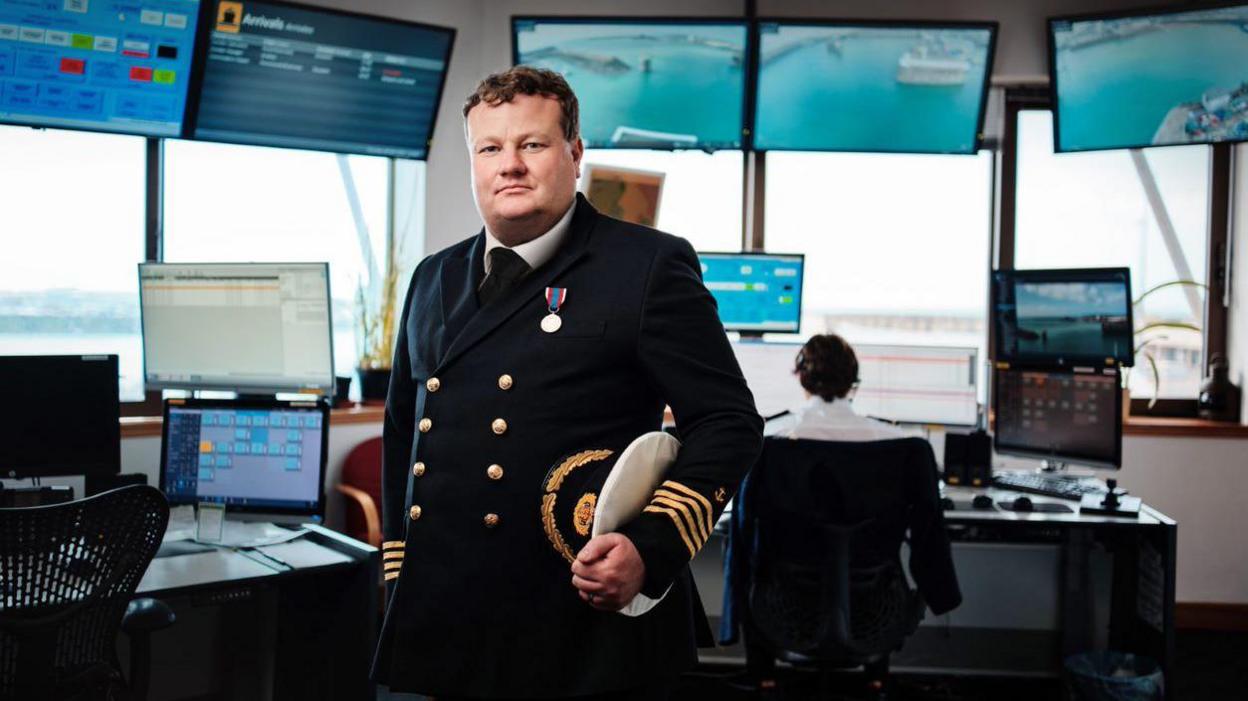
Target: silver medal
(551, 323)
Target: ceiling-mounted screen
(666, 84)
(97, 65)
(846, 86)
(277, 74)
(1155, 79)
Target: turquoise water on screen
(814, 98)
(687, 81)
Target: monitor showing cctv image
(872, 86)
(1130, 80)
(1063, 317)
(665, 84)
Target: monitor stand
(1053, 468)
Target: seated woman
(828, 370)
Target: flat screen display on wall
(878, 87)
(1160, 79)
(666, 84)
(97, 66)
(278, 74)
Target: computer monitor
(646, 83)
(756, 292)
(918, 384)
(62, 417)
(97, 66)
(911, 87)
(1059, 415)
(254, 456)
(1063, 317)
(280, 74)
(1149, 78)
(253, 328)
(768, 370)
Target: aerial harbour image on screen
(1157, 80)
(690, 78)
(1077, 318)
(922, 88)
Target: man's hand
(608, 572)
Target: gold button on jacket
(504, 382)
(495, 472)
(414, 512)
(425, 425)
(433, 384)
(418, 469)
(491, 520)
(499, 427)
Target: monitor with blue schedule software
(756, 292)
(261, 456)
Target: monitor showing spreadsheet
(254, 328)
(756, 292)
(918, 384)
(768, 369)
(264, 456)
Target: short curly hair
(827, 367)
(527, 80)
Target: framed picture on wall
(624, 193)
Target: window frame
(1213, 328)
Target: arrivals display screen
(1150, 79)
(1063, 317)
(675, 84)
(99, 65)
(756, 292)
(293, 76)
(872, 86)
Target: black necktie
(506, 267)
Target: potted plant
(1148, 335)
(375, 317)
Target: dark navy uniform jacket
(482, 402)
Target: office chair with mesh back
(68, 573)
(814, 569)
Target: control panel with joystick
(1113, 502)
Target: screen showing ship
(645, 84)
(1151, 80)
(916, 89)
(1063, 317)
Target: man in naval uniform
(555, 329)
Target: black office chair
(69, 572)
(814, 567)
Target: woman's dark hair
(827, 367)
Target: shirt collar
(836, 406)
(537, 251)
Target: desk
(307, 632)
(1112, 585)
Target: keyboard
(1048, 485)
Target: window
(229, 203)
(1091, 210)
(701, 198)
(896, 245)
(73, 223)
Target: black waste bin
(1113, 676)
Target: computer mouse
(1024, 504)
(982, 501)
(946, 504)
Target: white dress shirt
(831, 421)
(536, 251)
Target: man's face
(523, 169)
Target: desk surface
(320, 549)
(963, 495)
